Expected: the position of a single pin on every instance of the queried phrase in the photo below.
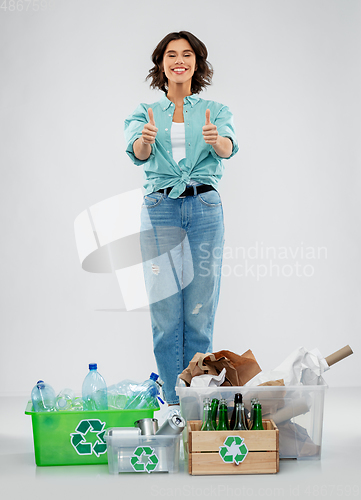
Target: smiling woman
(180, 141)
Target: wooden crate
(204, 450)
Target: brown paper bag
(196, 367)
(280, 382)
(239, 369)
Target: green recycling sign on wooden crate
(234, 450)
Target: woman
(180, 141)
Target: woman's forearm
(223, 147)
(142, 151)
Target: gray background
(70, 74)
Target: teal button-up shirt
(201, 164)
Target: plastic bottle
(118, 394)
(77, 404)
(65, 400)
(147, 394)
(94, 390)
(43, 397)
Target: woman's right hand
(142, 146)
(149, 131)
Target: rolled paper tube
(291, 411)
(338, 355)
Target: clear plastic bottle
(65, 400)
(118, 394)
(94, 390)
(147, 394)
(77, 404)
(43, 397)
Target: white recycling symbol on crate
(234, 449)
(79, 438)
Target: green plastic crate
(77, 437)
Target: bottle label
(234, 450)
(88, 437)
(144, 459)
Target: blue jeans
(182, 246)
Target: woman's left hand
(210, 132)
(222, 145)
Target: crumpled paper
(239, 368)
(294, 441)
(301, 367)
(209, 380)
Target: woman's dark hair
(202, 75)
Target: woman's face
(179, 62)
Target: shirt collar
(165, 102)
(191, 99)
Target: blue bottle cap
(93, 366)
(153, 376)
(40, 384)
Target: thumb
(151, 116)
(208, 116)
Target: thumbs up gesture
(149, 131)
(210, 132)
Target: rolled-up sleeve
(225, 128)
(133, 127)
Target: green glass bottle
(240, 423)
(257, 418)
(223, 424)
(207, 424)
(214, 411)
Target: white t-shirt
(178, 140)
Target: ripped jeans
(182, 246)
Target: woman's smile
(179, 71)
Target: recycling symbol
(144, 459)
(80, 438)
(233, 450)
